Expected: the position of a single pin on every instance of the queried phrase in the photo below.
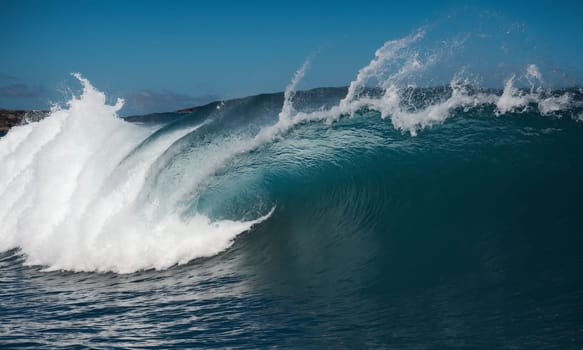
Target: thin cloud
(149, 101)
(7, 77)
(20, 91)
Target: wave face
(378, 212)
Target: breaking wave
(86, 190)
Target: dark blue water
(468, 235)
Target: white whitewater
(67, 201)
(394, 70)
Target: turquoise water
(467, 235)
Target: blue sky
(164, 55)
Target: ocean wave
(84, 190)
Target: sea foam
(68, 190)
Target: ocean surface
(392, 216)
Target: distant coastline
(13, 117)
(10, 118)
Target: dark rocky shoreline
(10, 118)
